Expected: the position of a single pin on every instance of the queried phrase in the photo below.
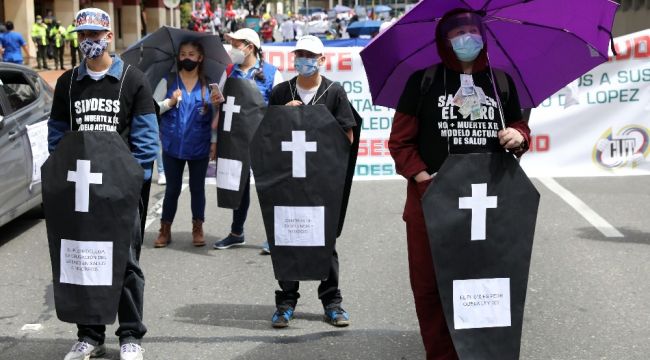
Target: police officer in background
(58, 35)
(39, 36)
(71, 37)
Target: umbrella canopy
(156, 53)
(543, 45)
(382, 8)
(367, 27)
(341, 8)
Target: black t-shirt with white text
(442, 130)
(107, 104)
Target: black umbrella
(156, 53)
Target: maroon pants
(433, 328)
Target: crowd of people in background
(53, 38)
(327, 25)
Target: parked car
(25, 99)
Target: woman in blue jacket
(185, 132)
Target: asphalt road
(587, 295)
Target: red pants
(433, 327)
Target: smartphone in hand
(216, 97)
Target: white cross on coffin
(229, 108)
(82, 179)
(299, 148)
(479, 202)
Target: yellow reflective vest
(58, 34)
(71, 36)
(39, 34)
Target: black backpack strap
(504, 89)
(425, 85)
(502, 85)
(427, 79)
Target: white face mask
(237, 56)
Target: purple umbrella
(542, 44)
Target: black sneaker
(337, 316)
(281, 318)
(230, 241)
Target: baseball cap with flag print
(92, 19)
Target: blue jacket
(265, 85)
(185, 130)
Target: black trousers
(41, 56)
(73, 55)
(58, 57)
(131, 329)
(328, 290)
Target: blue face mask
(467, 46)
(306, 66)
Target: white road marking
(583, 209)
(31, 327)
(156, 210)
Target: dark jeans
(131, 329)
(174, 172)
(239, 215)
(328, 290)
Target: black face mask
(189, 64)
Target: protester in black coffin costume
(310, 88)
(247, 63)
(105, 77)
(419, 147)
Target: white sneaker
(131, 352)
(162, 180)
(84, 351)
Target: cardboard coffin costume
(241, 114)
(352, 163)
(91, 191)
(480, 212)
(300, 158)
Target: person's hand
(422, 176)
(216, 98)
(213, 151)
(510, 138)
(294, 103)
(175, 96)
